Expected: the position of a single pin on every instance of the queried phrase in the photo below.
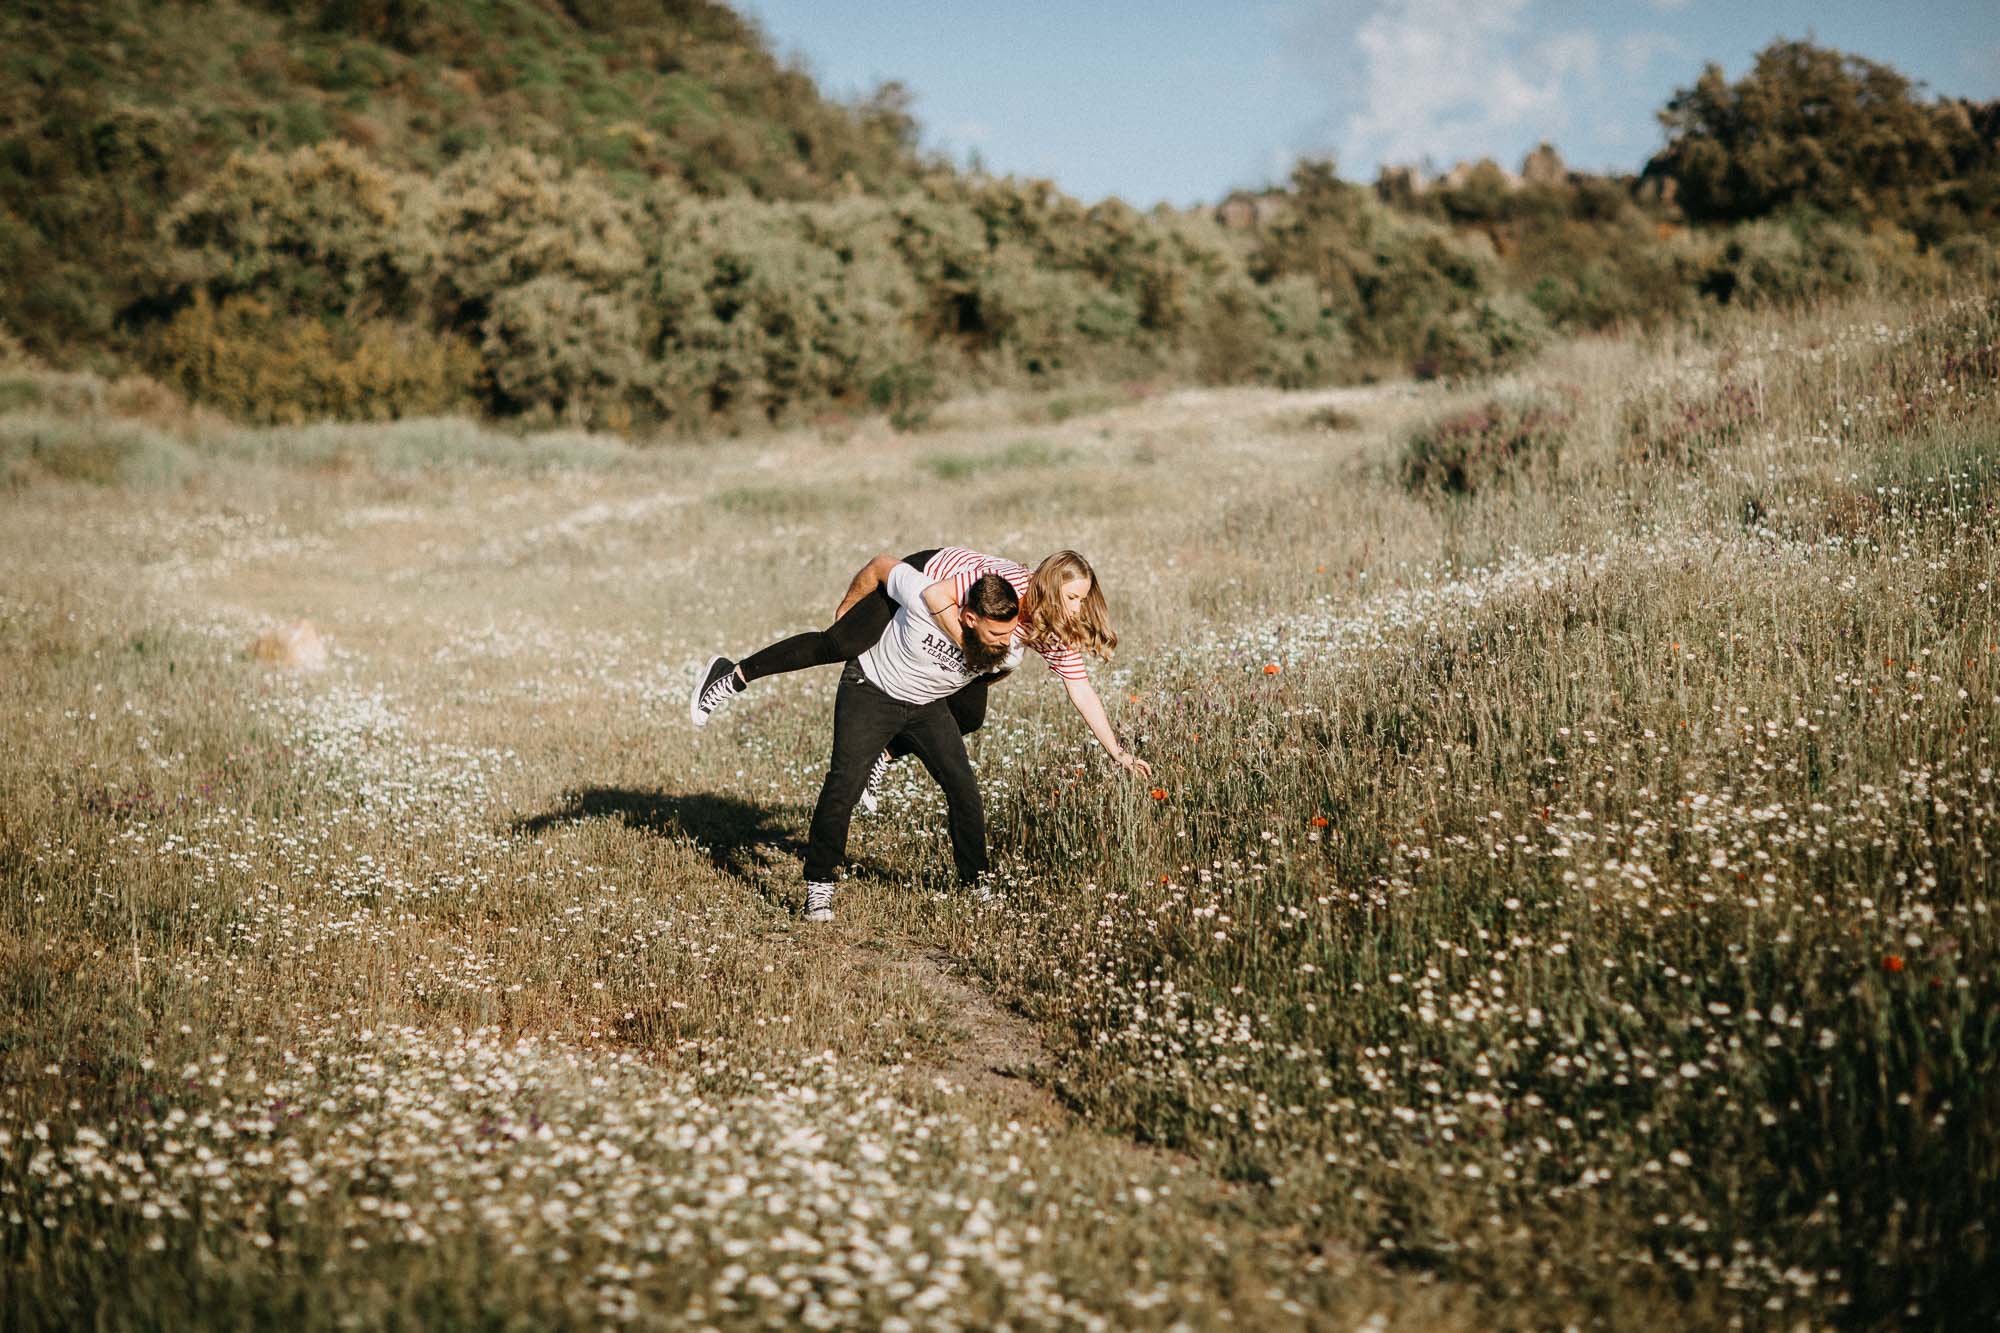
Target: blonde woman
(1063, 616)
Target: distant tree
(890, 112)
(1808, 126)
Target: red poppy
(1319, 821)
(1892, 962)
(1270, 668)
(1159, 793)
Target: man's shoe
(871, 795)
(718, 685)
(819, 902)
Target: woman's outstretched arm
(1084, 696)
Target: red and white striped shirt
(966, 567)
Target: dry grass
(1519, 951)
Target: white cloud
(1454, 79)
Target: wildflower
(1270, 668)
(1892, 962)
(1319, 821)
(1159, 793)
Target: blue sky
(1182, 100)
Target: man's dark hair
(992, 597)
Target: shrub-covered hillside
(110, 110)
(627, 214)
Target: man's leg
(864, 718)
(933, 734)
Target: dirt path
(999, 1052)
(419, 585)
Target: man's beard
(981, 656)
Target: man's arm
(1084, 696)
(866, 580)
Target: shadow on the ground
(740, 837)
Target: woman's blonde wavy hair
(1089, 631)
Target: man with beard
(897, 690)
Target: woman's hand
(1132, 763)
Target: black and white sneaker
(819, 902)
(716, 687)
(871, 795)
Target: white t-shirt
(914, 660)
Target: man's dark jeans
(865, 720)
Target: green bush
(1226, 332)
(1596, 275)
(502, 218)
(1048, 320)
(260, 365)
(1974, 260)
(1303, 342)
(1469, 452)
(90, 449)
(451, 443)
(316, 230)
(1016, 457)
(1682, 427)
(13, 352)
(905, 391)
(763, 309)
(1391, 280)
(553, 347)
(1490, 336)
(16, 394)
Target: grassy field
(1564, 894)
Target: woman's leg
(848, 637)
(968, 706)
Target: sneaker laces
(719, 689)
(871, 791)
(819, 897)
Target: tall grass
(1611, 921)
(1562, 899)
